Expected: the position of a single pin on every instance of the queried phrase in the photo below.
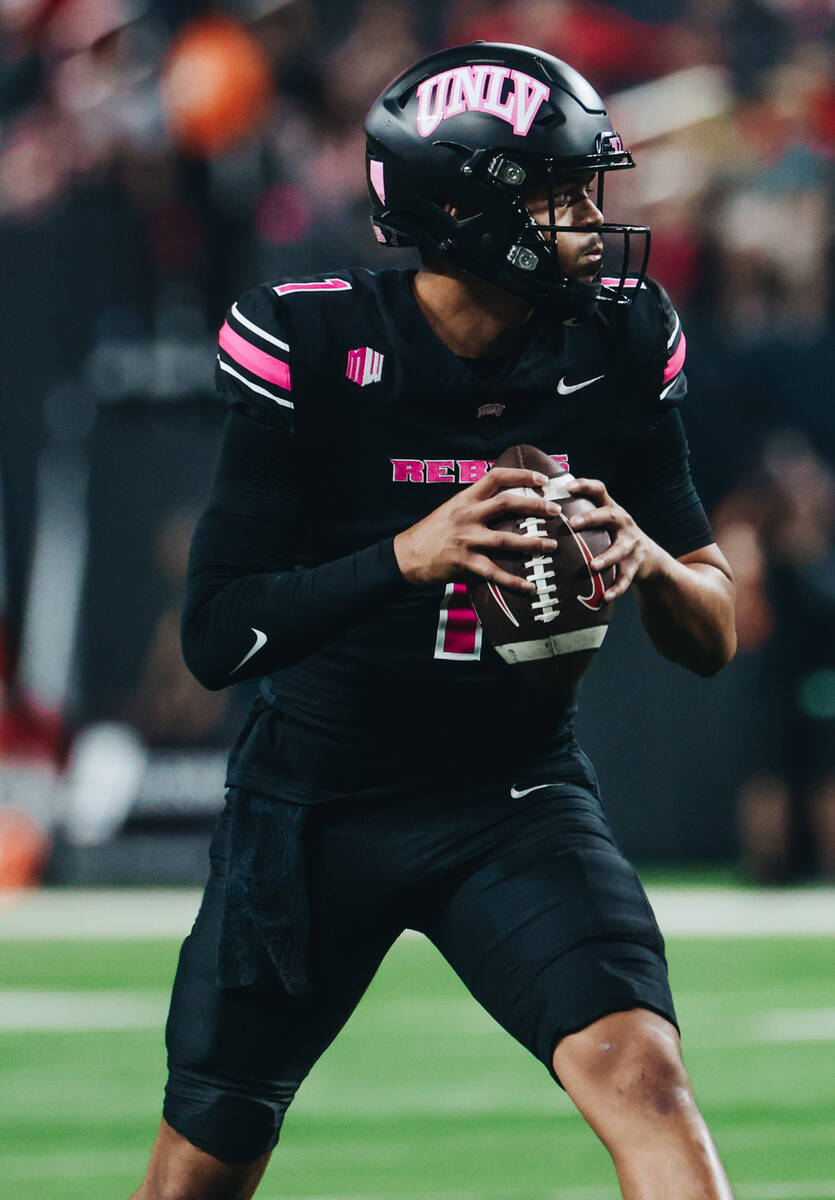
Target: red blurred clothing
(602, 43)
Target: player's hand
(632, 553)
(456, 540)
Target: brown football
(548, 636)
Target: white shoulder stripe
(239, 316)
(253, 387)
(669, 386)
(674, 334)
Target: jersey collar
(446, 377)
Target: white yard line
(107, 913)
(795, 1025)
(128, 913)
(822, 1189)
(815, 1189)
(28, 1011)
(715, 912)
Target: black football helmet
(477, 127)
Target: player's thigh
(236, 1056)
(553, 931)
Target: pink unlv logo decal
(511, 95)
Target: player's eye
(568, 199)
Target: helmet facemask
(529, 264)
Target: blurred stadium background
(157, 157)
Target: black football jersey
(350, 421)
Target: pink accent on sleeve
(376, 174)
(324, 285)
(257, 361)
(614, 281)
(675, 363)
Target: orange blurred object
(23, 849)
(216, 84)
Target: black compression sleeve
(656, 489)
(241, 585)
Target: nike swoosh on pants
(516, 794)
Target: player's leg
(551, 931)
(624, 1072)
(236, 1056)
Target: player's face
(580, 253)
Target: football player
(393, 771)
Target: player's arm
(662, 542)
(686, 602)
(247, 611)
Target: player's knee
(652, 1080)
(629, 1064)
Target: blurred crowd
(157, 157)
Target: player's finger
(609, 515)
(479, 564)
(509, 477)
(516, 543)
(506, 503)
(589, 487)
(594, 487)
(619, 550)
(621, 584)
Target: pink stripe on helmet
(675, 363)
(376, 174)
(257, 361)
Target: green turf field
(421, 1096)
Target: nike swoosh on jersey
(260, 640)
(565, 389)
(516, 794)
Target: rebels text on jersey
(350, 421)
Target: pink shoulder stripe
(321, 285)
(676, 362)
(257, 361)
(614, 281)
